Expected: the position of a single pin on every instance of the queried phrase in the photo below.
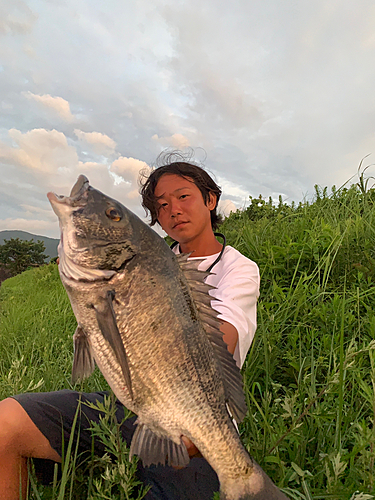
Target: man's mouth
(179, 224)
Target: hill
(50, 243)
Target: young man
(183, 199)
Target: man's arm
(230, 335)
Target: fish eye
(113, 214)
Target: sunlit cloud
(100, 142)
(177, 141)
(225, 207)
(56, 104)
(283, 101)
(129, 169)
(39, 150)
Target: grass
(309, 376)
(36, 327)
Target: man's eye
(184, 196)
(113, 214)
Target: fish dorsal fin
(232, 377)
(154, 449)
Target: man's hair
(189, 171)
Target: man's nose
(175, 208)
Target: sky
(271, 97)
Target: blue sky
(275, 96)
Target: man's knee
(11, 419)
(19, 434)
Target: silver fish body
(144, 316)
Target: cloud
(129, 169)
(90, 166)
(38, 150)
(273, 102)
(31, 209)
(98, 174)
(16, 18)
(226, 207)
(101, 142)
(178, 141)
(56, 104)
(235, 191)
(30, 225)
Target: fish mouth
(77, 193)
(64, 206)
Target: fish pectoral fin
(106, 318)
(153, 449)
(83, 362)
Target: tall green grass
(310, 374)
(36, 327)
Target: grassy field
(310, 374)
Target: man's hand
(191, 448)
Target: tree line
(17, 255)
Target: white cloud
(129, 169)
(39, 150)
(56, 104)
(89, 166)
(100, 142)
(133, 195)
(30, 225)
(226, 207)
(273, 102)
(98, 174)
(16, 17)
(177, 141)
(232, 189)
(31, 209)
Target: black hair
(185, 169)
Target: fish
(144, 317)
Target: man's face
(182, 212)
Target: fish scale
(144, 315)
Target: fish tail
(255, 485)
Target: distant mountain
(50, 243)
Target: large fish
(144, 315)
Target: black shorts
(54, 412)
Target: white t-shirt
(236, 279)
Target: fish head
(96, 233)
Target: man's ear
(211, 202)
